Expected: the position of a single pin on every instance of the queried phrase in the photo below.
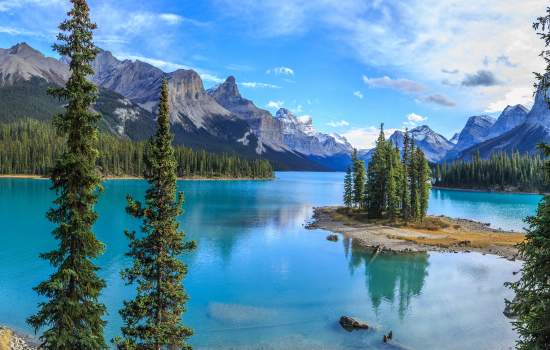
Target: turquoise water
(261, 280)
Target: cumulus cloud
(416, 118)
(281, 71)
(438, 100)
(365, 138)
(275, 104)
(338, 123)
(430, 34)
(522, 96)
(358, 94)
(255, 85)
(402, 85)
(480, 78)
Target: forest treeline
(31, 147)
(500, 172)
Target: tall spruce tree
(532, 305)
(153, 319)
(359, 174)
(424, 177)
(394, 181)
(377, 177)
(72, 314)
(348, 188)
(405, 187)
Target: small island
(435, 233)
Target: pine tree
(72, 313)
(394, 180)
(377, 178)
(358, 181)
(532, 304)
(424, 183)
(405, 186)
(348, 189)
(152, 320)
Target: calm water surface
(260, 280)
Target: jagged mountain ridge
(129, 92)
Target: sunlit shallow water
(261, 280)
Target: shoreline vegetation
(108, 177)
(32, 147)
(490, 190)
(436, 233)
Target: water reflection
(390, 277)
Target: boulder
(332, 238)
(350, 323)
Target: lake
(261, 280)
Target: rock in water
(332, 238)
(350, 323)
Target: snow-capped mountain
(434, 145)
(284, 131)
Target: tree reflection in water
(388, 276)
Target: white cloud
(255, 85)
(365, 138)
(275, 104)
(515, 96)
(8, 5)
(305, 119)
(415, 118)
(338, 123)
(402, 85)
(358, 94)
(433, 37)
(281, 71)
(171, 18)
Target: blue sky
(349, 64)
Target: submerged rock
(350, 323)
(332, 238)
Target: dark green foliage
(358, 180)
(152, 320)
(348, 189)
(500, 172)
(377, 178)
(71, 313)
(532, 302)
(31, 147)
(397, 185)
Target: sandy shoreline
(461, 235)
(39, 177)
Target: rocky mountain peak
(477, 130)
(540, 113)
(186, 82)
(511, 117)
(24, 50)
(226, 92)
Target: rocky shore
(449, 235)
(10, 340)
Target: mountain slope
(524, 138)
(434, 145)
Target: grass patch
(5, 338)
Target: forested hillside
(501, 172)
(31, 147)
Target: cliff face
(284, 131)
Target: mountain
(128, 95)
(524, 138)
(434, 145)
(476, 130)
(285, 131)
(511, 117)
(454, 139)
(25, 77)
